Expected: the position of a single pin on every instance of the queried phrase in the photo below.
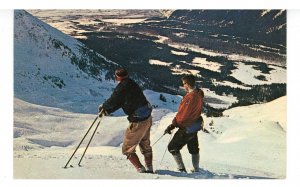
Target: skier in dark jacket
(189, 121)
(128, 96)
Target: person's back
(128, 96)
(190, 108)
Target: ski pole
(89, 142)
(158, 140)
(165, 150)
(81, 142)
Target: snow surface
(178, 53)
(36, 61)
(248, 142)
(218, 101)
(246, 74)
(123, 21)
(158, 62)
(202, 62)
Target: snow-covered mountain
(53, 69)
(248, 142)
(233, 62)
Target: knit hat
(121, 73)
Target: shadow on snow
(205, 174)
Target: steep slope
(53, 69)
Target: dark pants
(180, 139)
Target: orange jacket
(189, 109)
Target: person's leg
(177, 142)
(193, 147)
(135, 161)
(145, 146)
(174, 147)
(133, 136)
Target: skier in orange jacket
(189, 121)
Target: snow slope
(246, 145)
(48, 68)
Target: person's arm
(183, 112)
(116, 100)
(189, 109)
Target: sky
(6, 78)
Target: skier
(128, 96)
(189, 121)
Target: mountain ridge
(265, 25)
(51, 67)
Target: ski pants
(137, 134)
(180, 139)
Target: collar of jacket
(191, 90)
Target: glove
(101, 111)
(169, 129)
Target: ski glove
(169, 129)
(102, 111)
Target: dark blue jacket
(129, 96)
